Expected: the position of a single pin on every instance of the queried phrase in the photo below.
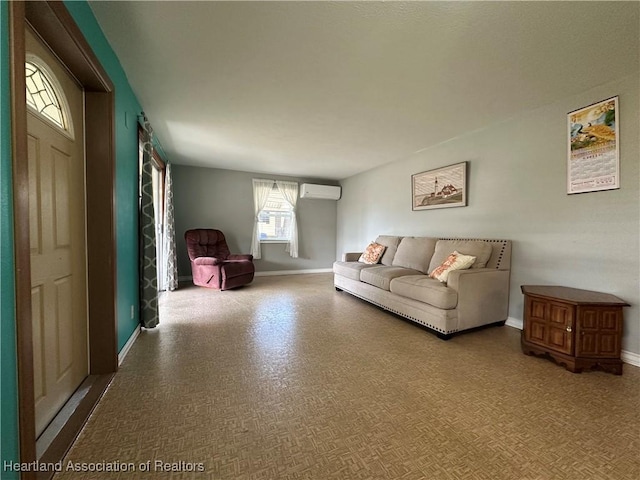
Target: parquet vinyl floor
(288, 379)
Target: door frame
(53, 23)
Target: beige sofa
(400, 283)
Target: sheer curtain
(169, 235)
(261, 190)
(289, 191)
(147, 236)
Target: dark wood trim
(55, 26)
(158, 161)
(60, 446)
(26, 405)
(101, 240)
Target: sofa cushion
(426, 290)
(350, 269)
(381, 276)
(415, 253)
(477, 248)
(455, 261)
(372, 254)
(391, 243)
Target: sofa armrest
(351, 256)
(483, 296)
(240, 256)
(208, 261)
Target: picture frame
(444, 187)
(593, 148)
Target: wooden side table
(576, 328)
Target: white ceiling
(331, 89)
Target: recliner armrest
(208, 261)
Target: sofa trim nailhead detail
(408, 317)
(502, 242)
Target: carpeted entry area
(288, 379)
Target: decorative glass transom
(42, 96)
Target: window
(274, 207)
(274, 220)
(44, 94)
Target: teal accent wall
(8, 364)
(126, 132)
(127, 109)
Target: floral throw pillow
(372, 254)
(455, 261)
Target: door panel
(58, 250)
(37, 312)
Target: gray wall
(223, 199)
(517, 190)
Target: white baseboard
(627, 357)
(630, 358)
(293, 272)
(128, 345)
(514, 322)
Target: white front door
(57, 209)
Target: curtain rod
(145, 122)
(274, 181)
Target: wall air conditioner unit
(323, 192)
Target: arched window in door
(45, 96)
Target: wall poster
(594, 162)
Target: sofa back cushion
(477, 248)
(391, 242)
(415, 253)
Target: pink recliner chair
(212, 265)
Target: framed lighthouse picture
(440, 188)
